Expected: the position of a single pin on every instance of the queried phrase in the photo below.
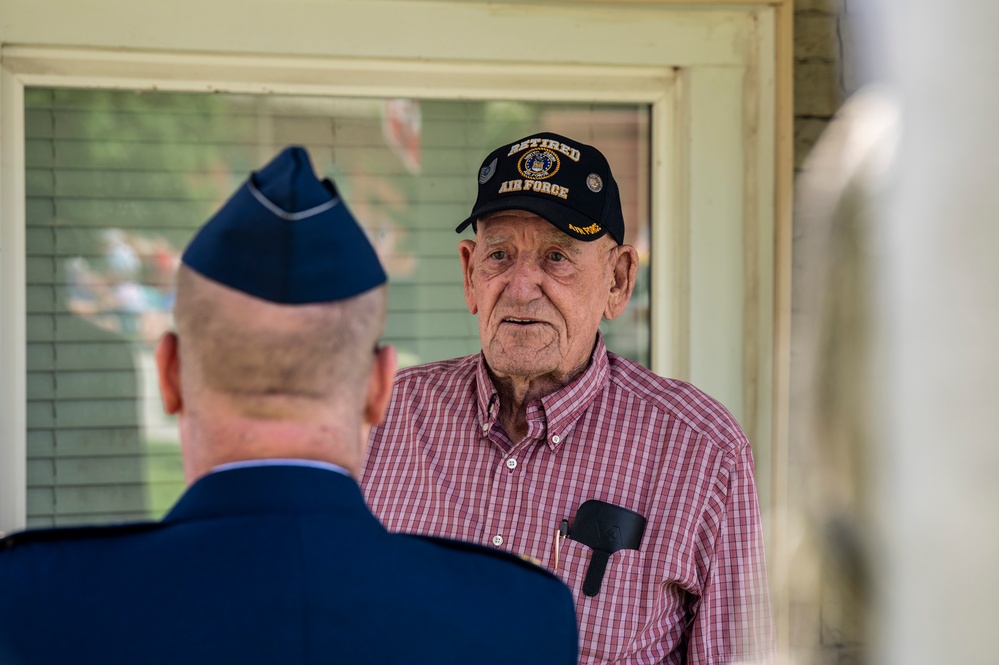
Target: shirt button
(485, 427)
(511, 463)
(556, 438)
(497, 540)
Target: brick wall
(824, 72)
(824, 628)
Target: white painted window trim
(13, 322)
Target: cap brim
(558, 215)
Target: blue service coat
(277, 564)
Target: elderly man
(635, 490)
(271, 556)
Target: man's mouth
(520, 322)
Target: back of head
(265, 357)
(279, 307)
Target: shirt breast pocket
(610, 620)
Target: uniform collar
(267, 490)
(551, 416)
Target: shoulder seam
(475, 548)
(62, 534)
(724, 421)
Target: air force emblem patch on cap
(538, 164)
(287, 238)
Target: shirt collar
(280, 462)
(558, 410)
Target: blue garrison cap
(286, 237)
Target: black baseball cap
(564, 181)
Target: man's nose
(525, 279)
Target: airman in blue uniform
(271, 555)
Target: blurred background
(894, 377)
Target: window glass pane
(117, 181)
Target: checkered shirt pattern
(695, 590)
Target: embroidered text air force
(539, 163)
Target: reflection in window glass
(118, 181)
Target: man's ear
(380, 386)
(623, 272)
(168, 369)
(466, 250)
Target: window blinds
(117, 181)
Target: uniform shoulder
(680, 399)
(474, 583)
(70, 534)
(487, 553)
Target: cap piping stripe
(290, 216)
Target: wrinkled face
(539, 294)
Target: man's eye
(557, 257)
(498, 255)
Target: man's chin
(520, 360)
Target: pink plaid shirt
(695, 590)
